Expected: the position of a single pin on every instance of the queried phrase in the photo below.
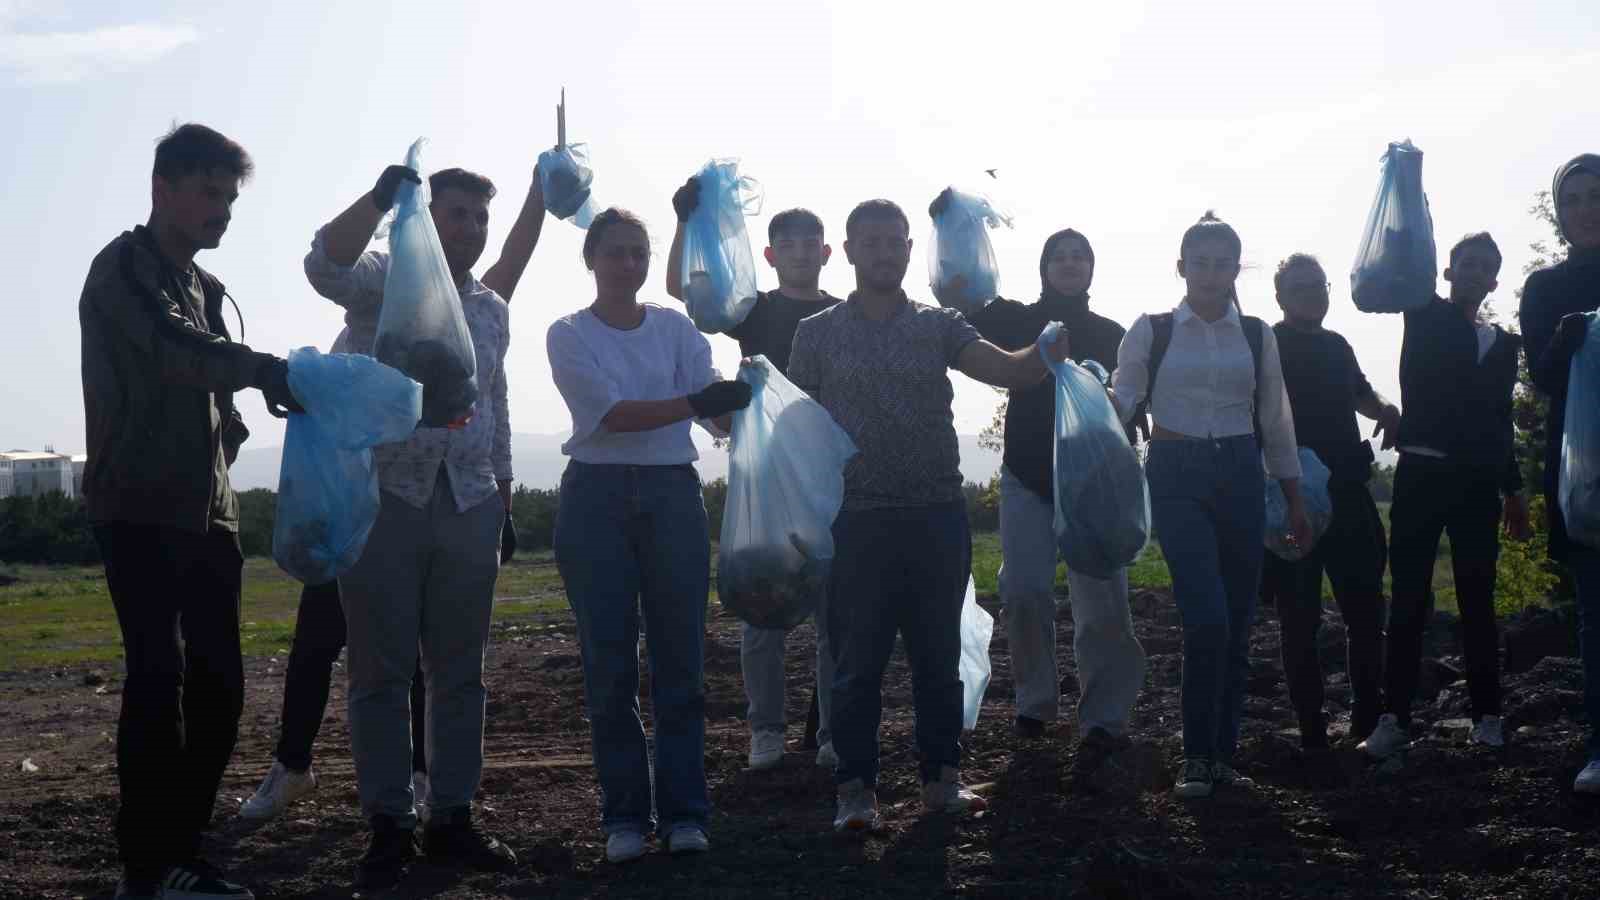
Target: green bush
(1525, 576)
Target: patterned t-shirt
(887, 384)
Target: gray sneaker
(858, 808)
(1194, 780)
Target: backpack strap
(1252, 335)
(1161, 339)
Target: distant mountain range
(537, 460)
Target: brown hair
(192, 147)
(607, 218)
(1291, 261)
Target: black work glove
(939, 204)
(1569, 336)
(720, 398)
(389, 182)
(508, 539)
(273, 380)
(686, 199)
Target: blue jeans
(629, 538)
(1208, 505)
(904, 571)
(1584, 564)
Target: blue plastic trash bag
(1578, 489)
(1397, 263)
(421, 329)
(960, 249)
(1102, 520)
(1319, 508)
(327, 486)
(977, 627)
(565, 176)
(719, 272)
(785, 487)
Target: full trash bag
(327, 486)
(1578, 489)
(719, 272)
(960, 249)
(421, 329)
(977, 628)
(1319, 508)
(565, 176)
(1397, 263)
(1102, 519)
(785, 487)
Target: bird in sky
(992, 173)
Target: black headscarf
(1583, 162)
(1046, 291)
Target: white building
(35, 474)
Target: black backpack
(1161, 339)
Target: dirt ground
(1453, 822)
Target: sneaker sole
(624, 857)
(763, 764)
(1197, 792)
(1591, 789)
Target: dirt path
(1455, 822)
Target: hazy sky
(1123, 119)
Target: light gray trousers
(424, 583)
(1111, 663)
(761, 658)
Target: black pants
(319, 636)
(177, 598)
(1353, 554)
(1432, 497)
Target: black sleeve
(1358, 379)
(1540, 315)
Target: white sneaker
(419, 795)
(1194, 780)
(1490, 731)
(1385, 740)
(624, 846)
(858, 808)
(282, 787)
(1589, 779)
(766, 749)
(949, 795)
(826, 758)
(687, 839)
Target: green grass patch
(61, 616)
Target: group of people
(1223, 400)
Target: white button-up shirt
(1207, 387)
(476, 455)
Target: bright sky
(1122, 119)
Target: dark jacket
(1452, 403)
(1567, 287)
(1030, 412)
(159, 372)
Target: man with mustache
(428, 572)
(159, 374)
(878, 363)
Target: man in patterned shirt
(426, 579)
(877, 362)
